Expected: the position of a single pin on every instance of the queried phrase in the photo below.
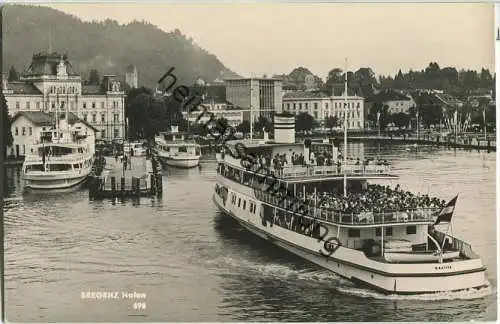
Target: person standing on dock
(124, 163)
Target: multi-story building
(261, 95)
(320, 106)
(50, 84)
(395, 101)
(217, 109)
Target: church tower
(131, 76)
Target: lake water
(195, 264)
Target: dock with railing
(140, 178)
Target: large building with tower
(50, 84)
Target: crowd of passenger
(278, 162)
(375, 198)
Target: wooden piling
(153, 183)
(159, 185)
(113, 187)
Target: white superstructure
(61, 159)
(176, 149)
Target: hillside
(297, 77)
(106, 46)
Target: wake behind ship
(362, 235)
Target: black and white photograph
(216, 161)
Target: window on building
(326, 105)
(295, 106)
(378, 232)
(316, 114)
(354, 232)
(103, 118)
(30, 130)
(117, 133)
(411, 230)
(17, 131)
(116, 118)
(239, 202)
(27, 105)
(93, 105)
(102, 105)
(84, 105)
(306, 105)
(300, 106)
(93, 118)
(244, 204)
(18, 105)
(388, 231)
(288, 106)
(357, 106)
(103, 133)
(85, 117)
(315, 105)
(38, 105)
(23, 130)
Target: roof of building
(26, 88)
(387, 95)
(40, 118)
(46, 64)
(92, 89)
(339, 89)
(247, 79)
(131, 68)
(304, 94)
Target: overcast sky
(276, 38)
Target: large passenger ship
(327, 211)
(61, 159)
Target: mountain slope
(106, 46)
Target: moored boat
(177, 149)
(61, 159)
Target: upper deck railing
(421, 215)
(291, 172)
(295, 171)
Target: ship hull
(183, 163)
(53, 182)
(406, 279)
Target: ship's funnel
(284, 129)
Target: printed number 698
(139, 305)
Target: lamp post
(378, 123)
(484, 121)
(418, 124)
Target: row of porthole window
(356, 232)
(252, 206)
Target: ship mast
(345, 129)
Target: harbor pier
(139, 177)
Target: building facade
(27, 126)
(262, 96)
(217, 109)
(321, 106)
(395, 101)
(50, 84)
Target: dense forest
(106, 46)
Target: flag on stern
(447, 211)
